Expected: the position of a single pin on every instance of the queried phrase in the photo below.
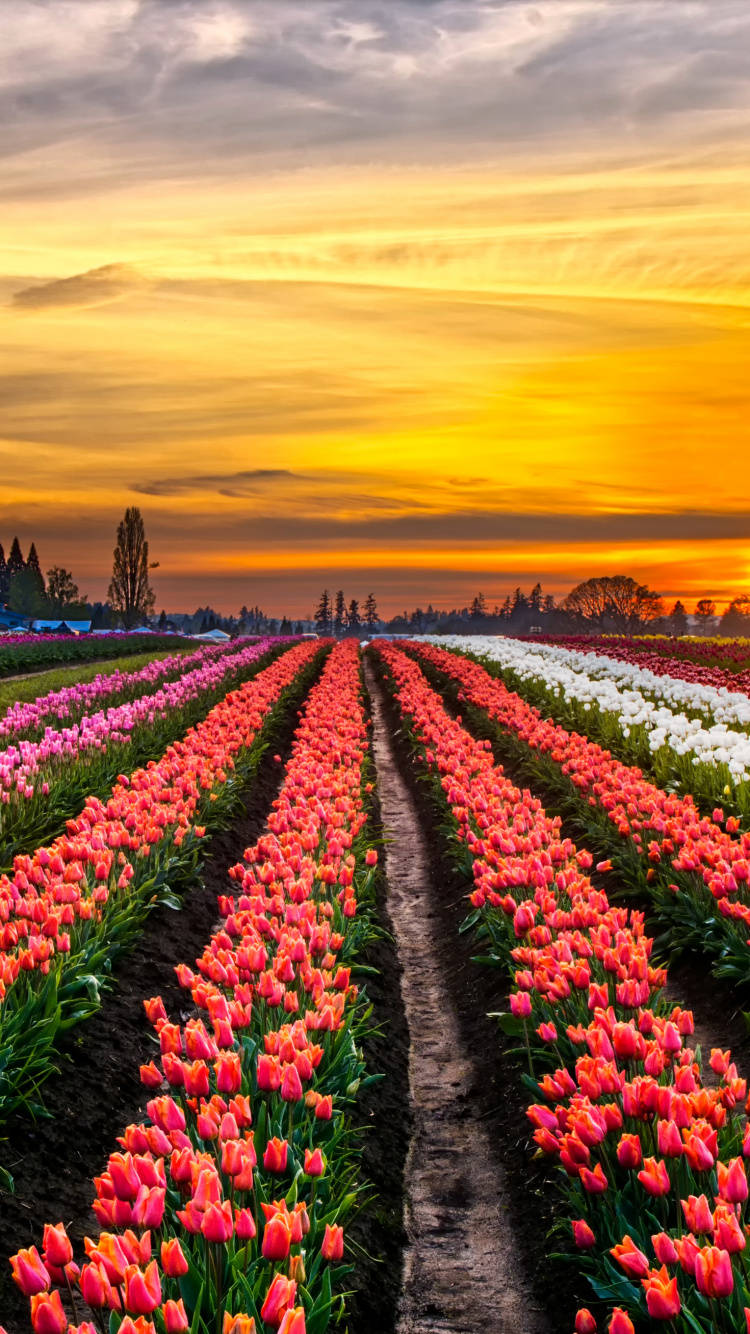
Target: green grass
(32, 686)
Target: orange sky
(414, 299)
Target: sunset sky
(416, 297)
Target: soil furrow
(461, 1270)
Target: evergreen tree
(548, 605)
(130, 592)
(286, 627)
(163, 620)
(478, 609)
(506, 609)
(535, 599)
(323, 614)
(4, 580)
(32, 563)
(678, 619)
(212, 622)
(298, 630)
(16, 562)
(371, 612)
(339, 615)
(353, 619)
(24, 595)
(204, 627)
(416, 621)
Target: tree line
(607, 604)
(333, 616)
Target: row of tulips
(225, 1206)
(26, 719)
(67, 910)
(696, 660)
(42, 782)
(32, 653)
(695, 868)
(651, 1160)
(691, 737)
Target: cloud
(167, 86)
(96, 287)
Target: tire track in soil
(461, 1268)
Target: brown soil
(464, 1269)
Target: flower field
(32, 653)
(233, 1197)
(45, 774)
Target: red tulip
(654, 1178)
(142, 1290)
(57, 1248)
(293, 1322)
(333, 1243)
(217, 1223)
(175, 1317)
(662, 1298)
(664, 1249)
(274, 1158)
(280, 1296)
(620, 1322)
(314, 1163)
(633, 1261)
(585, 1322)
(582, 1234)
(173, 1261)
(277, 1238)
(29, 1272)
(47, 1315)
(713, 1272)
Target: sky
(412, 297)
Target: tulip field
(584, 814)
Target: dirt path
(461, 1269)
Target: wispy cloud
(97, 287)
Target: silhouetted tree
(4, 577)
(32, 563)
(286, 627)
(16, 562)
(339, 615)
(24, 594)
(353, 620)
(372, 618)
(705, 615)
(130, 592)
(323, 614)
(478, 608)
(163, 620)
(736, 618)
(614, 602)
(678, 621)
(62, 592)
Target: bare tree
(130, 592)
(613, 602)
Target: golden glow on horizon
(406, 346)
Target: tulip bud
(173, 1261)
(175, 1318)
(333, 1243)
(47, 1315)
(585, 1322)
(57, 1248)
